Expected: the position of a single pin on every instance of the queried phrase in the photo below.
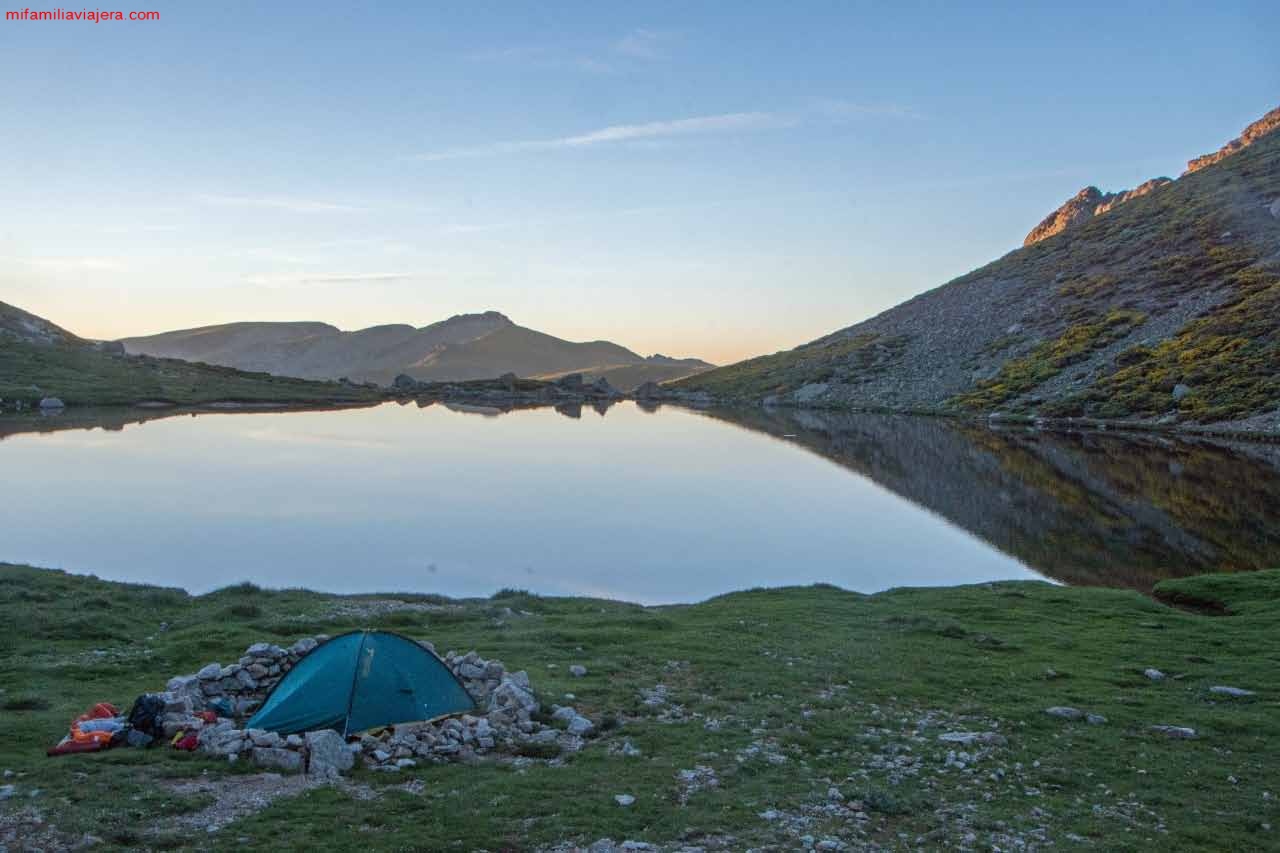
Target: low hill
(467, 346)
(39, 359)
(1161, 307)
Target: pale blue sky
(713, 179)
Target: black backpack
(145, 715)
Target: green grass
(1228, 359)
(841, 359)
(82, 376)
(840, 685)
(1020, 375)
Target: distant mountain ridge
(1164, 308)
(41, 361)
(465, 346)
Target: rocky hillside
(21, 326)
(42, 361)
(467, 346)
(1162, 308)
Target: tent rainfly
(360, 681)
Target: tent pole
(355, 678)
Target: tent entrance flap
(359, 681)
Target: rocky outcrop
(1251, 134)
(1085, 205)
(1091, 201)
(1079, 208)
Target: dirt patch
(235, 797)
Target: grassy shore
(817, 708)
(80, 375)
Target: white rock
(1238, 692)
(624, 800)
(581, 726)
(968, 738)
(577, 670)
(328, 752)
(1153, 674)
(1175, 731)
(1065, 713)
(278, 759)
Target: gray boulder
(513, 699)
(329, 753)
(812, 391)
(212, 672)
(1237, 692)
(47, 403)
(1064, 713)
(274, 758)
(1182, 732)
(471, 670)
(602, 386)
(262, 738)
(970, 738)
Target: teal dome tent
(360, 681)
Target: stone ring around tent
(359, 681)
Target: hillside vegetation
(767, 719)
(38, 360)
(1160, 308)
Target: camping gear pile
(103, 727)
(374, 695)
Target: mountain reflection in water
(1087, 508)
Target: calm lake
(669, 505)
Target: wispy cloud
(74, 264)
(649, 45)
(138, 229)
(845, 110)
(296, 205)
(711, 124)
(305, 278)
(598, 56)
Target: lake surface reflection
(667, 505)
